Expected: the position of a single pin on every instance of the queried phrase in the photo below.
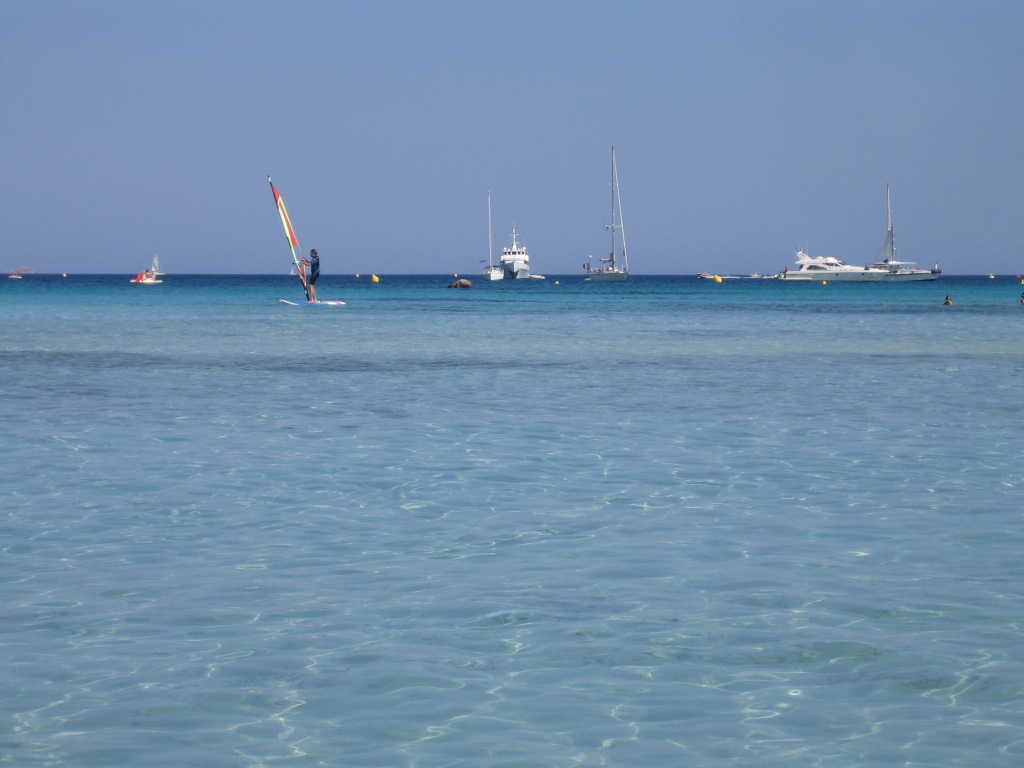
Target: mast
(617, 218)
(618, 197)
(890, 236)
(490, 235)
(888, 252)
(289, 233)
(611, 258)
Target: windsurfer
(313, 262)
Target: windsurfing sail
(289, 232)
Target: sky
(742, 130)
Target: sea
(531, 524)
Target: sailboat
(493, 272)
(899, 271)
(609, 271)
(149, 276)
(293, 244)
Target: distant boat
(515, 261)
(829, 268)
(610, 271)
(886, 269)
(14, 276)
(899, 271)
(493, 271)
(150, 276)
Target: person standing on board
(313, 262)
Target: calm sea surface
(546, 524)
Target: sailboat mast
(611, 258)
(618, 198)
(490, 235)
(888, 225)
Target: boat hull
(861, 276)
(520, 272)
(855, 276)
(910, 276)
(616, 276)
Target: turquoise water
(528, 525)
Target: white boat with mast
(610, 271)
(515, 261)
(887, 269)
(150, 276)
(899, 271)
(493, 271)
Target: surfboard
(312, 303)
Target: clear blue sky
(743, 130)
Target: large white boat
(515, 261)
(150, 276)
(493, 271)
(829, 268)
(609, 271)
(887, 268)
(899, 271)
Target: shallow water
(663, 523)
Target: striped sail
(289, 232)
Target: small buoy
(455, 275)
(824, 282)
(718, 279)
(557, 283)
(991, 277)
(358, 275)
(374, 278)
(66, 274)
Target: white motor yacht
(829, 268)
